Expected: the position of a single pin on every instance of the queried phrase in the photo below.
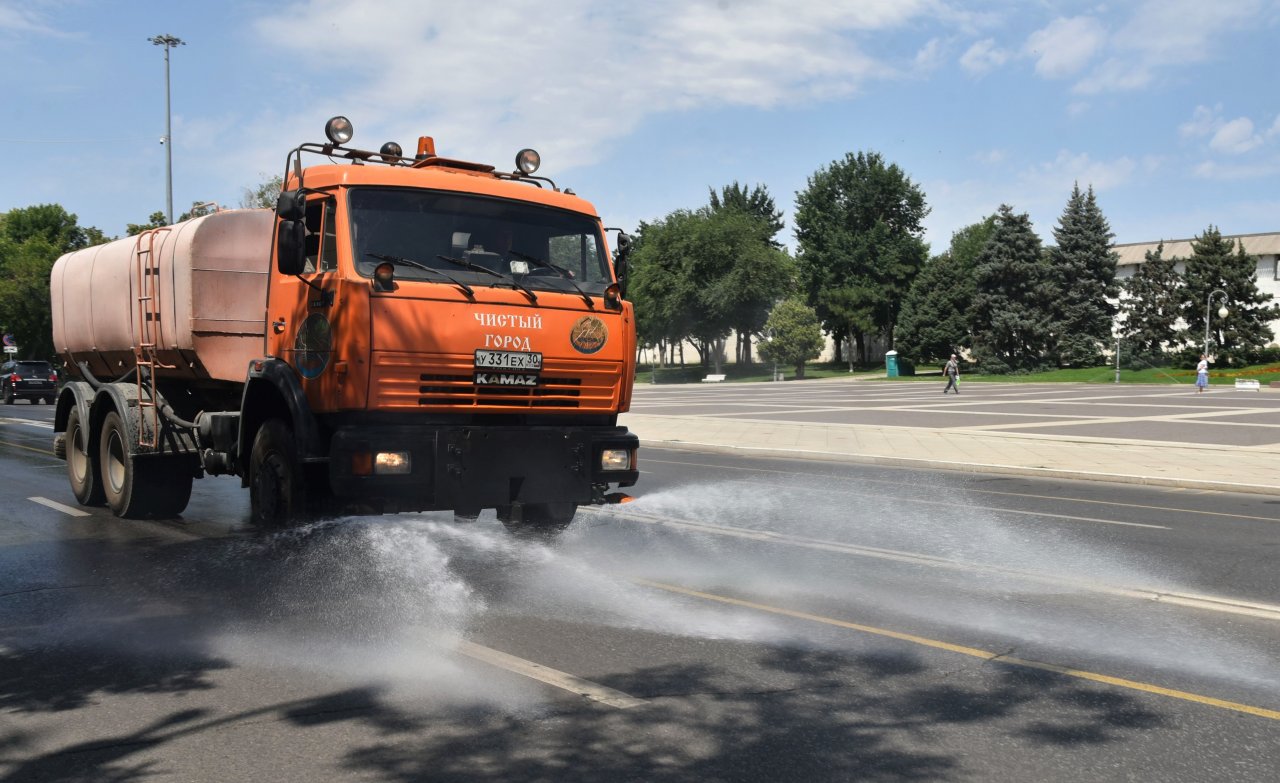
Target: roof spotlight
(339, 130)
(390, 152)
(528, 160)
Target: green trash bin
(891, 364)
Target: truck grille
(446, 383)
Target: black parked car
(28, 380)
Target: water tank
(206, 315)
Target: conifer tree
(1217, 264)
(1084, 266)
(1013, 302)
(933, 324)
(1152, 300)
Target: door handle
(278, 325)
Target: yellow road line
(545, 674)
(45, 452)
(974, 652)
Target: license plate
(505, 379)
(526, 361)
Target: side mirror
(291, 240)
(620, 263)
(291, 205)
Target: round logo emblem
(589, 334)
(312, 346)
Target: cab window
(321, 237)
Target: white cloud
(569, 80)
(1069, 168)
(1235, 137)
(1203, 122)
(1166, 34)
(1230, 136)
(1066, 45)
(989, 157)
(25, 21)
(930, 55)
(983, 56)
(1210, 169)
(1076, 108)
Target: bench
(713, 379)
(1248, 383)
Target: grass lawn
(1264, 373)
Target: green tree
(756, 201)
(31, 240)
(157, 220)
(697, 275)
(760, 284)
(1085, 267)
(264, 195)
(1150, 306)
(52, 223)
(858, 225)
(934, 322)
(794, 334)
(1217, 263)
(1013, 302)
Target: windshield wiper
(465, 264)
(466, 289)
(564, 273)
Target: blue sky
(1170, 110)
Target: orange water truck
(399, 334)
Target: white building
(1265, 247)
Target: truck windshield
(508, 237)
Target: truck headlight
(615, 459)
(391, 463)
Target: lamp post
(1222, 313)
(168, 42)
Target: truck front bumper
(470, 468)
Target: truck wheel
(537, 520)
(276, 488)
(127, 492)
(82, 467)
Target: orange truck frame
(401, 334)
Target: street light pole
(168, 42)
(1222, 313)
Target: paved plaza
(1224, 439)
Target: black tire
(46, 400)
(82, 466)
(537, 520)
(277, 489)
(126, 495)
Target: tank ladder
(147, 280)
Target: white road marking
(45, 425)
(536, 671)
(56, 506)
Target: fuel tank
(197, 290)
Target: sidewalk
(1186, 465)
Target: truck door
(305, 310)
